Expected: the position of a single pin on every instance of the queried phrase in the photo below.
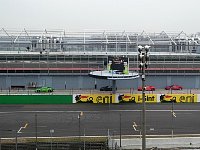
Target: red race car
(148, 88)
(174, 87)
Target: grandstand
(63, 59)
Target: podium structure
(117, 69)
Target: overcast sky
(77, 15)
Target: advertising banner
(178, 98)
(136, 98)
(94, 98)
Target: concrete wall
(35, 99)
(159, 142)
(86, 82)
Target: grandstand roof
(90, 42)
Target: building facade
(63, 60)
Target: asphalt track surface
(98, 120)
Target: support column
(95, 83)
(197, 82)
(113, 86)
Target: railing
(56, 146)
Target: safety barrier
(135, 98)
(98, 98)
(35, 99)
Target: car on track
(147, 88)
(174, 87)
(106, 88)
(44, 90)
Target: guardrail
(99, 98)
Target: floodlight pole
(36, 136)
(120, 130)
(79, 127)
(143, 111)
(16, 142)
(143, 58)
(79, 124)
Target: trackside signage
(179, 98)
(136, 98)
(98, 98)
(94, 98)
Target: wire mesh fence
(93, 126)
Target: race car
(106, 88)
(147, 88)
(44, 89)
(174, 87)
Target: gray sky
(77, 15)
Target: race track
(97, 119)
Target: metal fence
(56, 146)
